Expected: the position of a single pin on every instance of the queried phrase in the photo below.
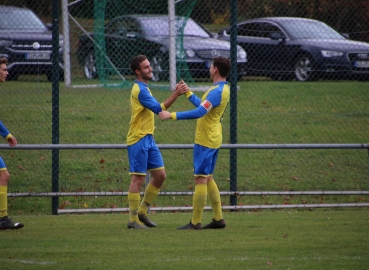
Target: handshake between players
(181, 88)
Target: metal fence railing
(232, 193)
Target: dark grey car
(27, 43)
(127, 36)
(304, 49)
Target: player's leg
(216, 205)
(198, 204)
(4, 177)
(199, 199)
(5, 221)
(152, 190)
(156, 168)
(202, 167)
(214, 198)
(137, 157)
(134, 201)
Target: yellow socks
(214, 198)
(135, 208)
(134, 201)
(3, 201)
(151, 193)
(199, 201)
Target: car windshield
(160, 27)
(310, 30)
(20, 20)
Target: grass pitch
(252, 240)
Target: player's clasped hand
(181, 88)
(164, 115)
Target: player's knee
(137, 180)
(158, 179)
(163, 176)
(4, 177)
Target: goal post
(104, 70)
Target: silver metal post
(172, 44)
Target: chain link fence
(302, 72)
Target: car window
(258, 29)
(310, 30)
(159, 26)
(116, 28)
(193, 29)
(248, 29)
(132, 26)
(267, 28)
(20, 20)
(124, 27)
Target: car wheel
(90, 67)
(304, 69)
(157, 70)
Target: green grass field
(252, 240)
(268, 112)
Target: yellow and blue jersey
(143, 106)
(4, 132)
(209, 113)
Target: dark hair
(136, 61)
(223, 64)
(3, 61)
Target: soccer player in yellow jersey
(143, 154)
(5, 222)
(208, 139)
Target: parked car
(26, 42)
(127, 36)
(304, 49)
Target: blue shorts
(144, 156)
(204, 160)
(2, 164)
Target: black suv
(26, 42)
